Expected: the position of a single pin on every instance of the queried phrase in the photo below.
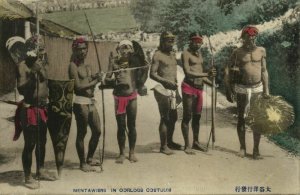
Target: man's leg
(196, 128)
(187, 101)
(164, 107)
(241, 129)
(94, 122)
(81, 114)
(40, 151)
(121, 121)
(30, 142)
(171, 127)
(256, 140)
(131, 117)
(256, 133)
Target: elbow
(152, 76)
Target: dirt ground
(219, 171)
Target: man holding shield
(127, 83)
(247, 77)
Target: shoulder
(185, 52)
(237, 51)
(261, 49)
(22, 66)
(157, 54)
(72, 65)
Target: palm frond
(15, 11)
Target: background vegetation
(213, 16)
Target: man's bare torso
(195, 61)
(37, 93)
(249, 64)
(125, 80)
(84, 74)
(167, 66)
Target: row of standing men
(246, 71)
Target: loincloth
(248, 91)
(122, 102)
(189, 90)
(32, 112)
(84, 100)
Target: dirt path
(218, 171)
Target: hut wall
(59, 52)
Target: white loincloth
(243, 89)
(84, 100)
(171, 94)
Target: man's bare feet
(198, 146)
(46, 177)
(87, 168)
(132, 158)
(93, 162)
(174, 146)
(166, 150)
(242, 153)
(120, 159)
(31, 183)
(256, 155)
(188, 150)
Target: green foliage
(146, 13)
(227, 6)
(286, 141)
(269, 9)
(205, 16)
(183, 17)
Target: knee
(131, 125)
(121, 131)
(186, 118)
(96, 134)
(81, 132)
(29, 147)
(196, 119)
(241, 120)
(164, 120)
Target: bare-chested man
(32, 112)
(164, 71)
(247, 76)
(126, 83)
(192, 89)
(84, 104)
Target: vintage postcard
(149, 97)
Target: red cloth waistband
(189, 90)
(123, 102)
(31, 113)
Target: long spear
(213, 100)
(102, 93)
(37, 85)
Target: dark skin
(164, 71)
(251, 62)
(32, 84)
(28, 73)
(86, 115)
(193, 69)
(124, 85)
